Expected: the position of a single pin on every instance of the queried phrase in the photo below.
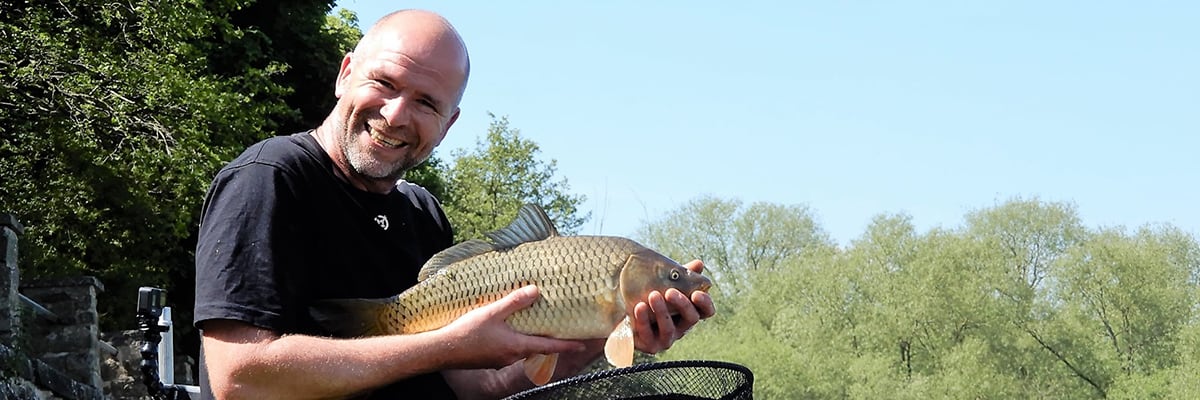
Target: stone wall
(10, 316)
(45, 354)
(32, 379)
(69, 341)
(50, 347)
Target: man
(319, 215)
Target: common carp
(589, 286)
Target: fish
(589, 286)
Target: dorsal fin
(461, 251)
(531, 225)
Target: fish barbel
(589, 286)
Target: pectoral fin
(539, 368)
(619, 347)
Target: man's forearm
(245, 361)
(297, 367)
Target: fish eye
(674, 275)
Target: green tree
(771, 266)
(301, 40)
(736, 241)
(489, 184)
(110, 135)
(1022, 301)
(114, 122)
(342, 28)
(1131, 296)
(1020, 244)
(1031, 235)
(430, 175)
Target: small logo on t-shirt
(382, 221)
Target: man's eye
(384, 83)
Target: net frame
(669, 380)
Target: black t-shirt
(281, 227)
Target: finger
(704, 304)
(643, 332)
(515, 301)
(662, 316)
(688, 315)
(696, 266)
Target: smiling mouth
(384, 140)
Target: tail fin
(352, 317)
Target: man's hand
(482, 339)
(655, 330)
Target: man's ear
(449, 123)
(342, 84)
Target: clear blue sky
(854, 108)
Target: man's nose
(396, 111)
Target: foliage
(1022, 301)
(300, 40)
(736, 241)
(489, 184)
(430, 175)
(342, 28)
(117, 114)
(106, 148)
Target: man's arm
(247, 362)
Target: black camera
(151, 301)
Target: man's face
(397, 100)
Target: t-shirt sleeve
(237, 253)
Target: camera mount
(151, 313)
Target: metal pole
(166, 349)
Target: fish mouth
(383, 140)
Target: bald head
(398, 95)
(425, 37)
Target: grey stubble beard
(361, 161)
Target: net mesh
(672, 380)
